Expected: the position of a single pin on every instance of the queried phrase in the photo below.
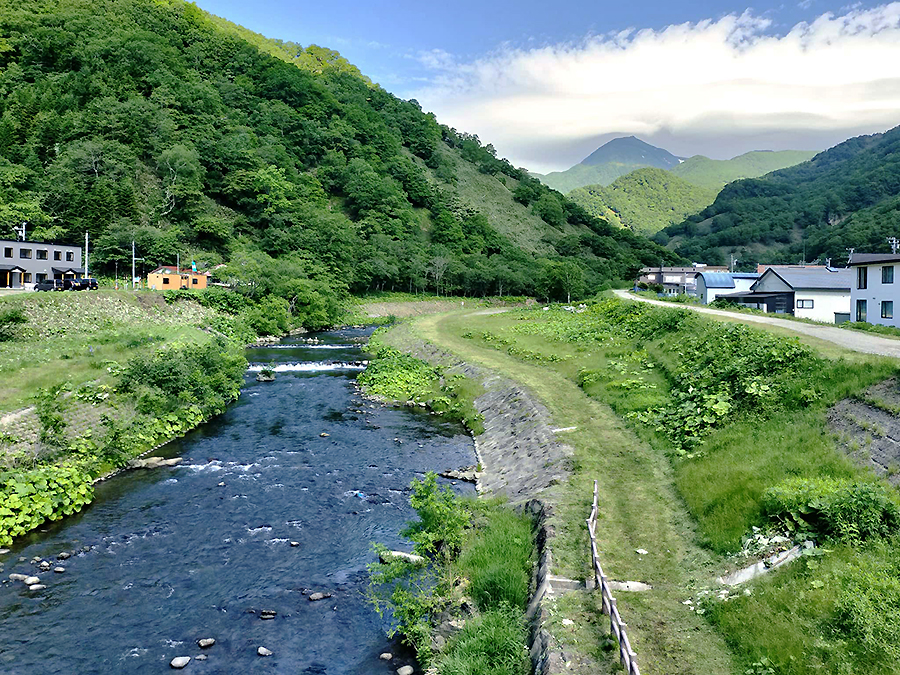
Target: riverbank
(91, 380)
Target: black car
(86, 284)
(51, 285)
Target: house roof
(818, 278)
(679, 270)
(11, 268)
(171, 269)
(874, 258)
(725, 279)
(64, 270)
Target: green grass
(490, 644)
(696, 508)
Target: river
(167, 556)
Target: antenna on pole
(894, 242)
(850, 255)
(734, 261)
(20, 231)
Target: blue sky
(548, 82)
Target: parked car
(86, 284)
(50, 285)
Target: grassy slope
(645, 201)
(583, 174)
(716, 173)
(787, 617)
(640, 510)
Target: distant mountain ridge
(621, 156)
(717, 173)
(845, 197)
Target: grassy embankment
(480, 553)
(699, 431)
(89, 380)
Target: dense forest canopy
(150, 120)
(645, 201)
(846, 197)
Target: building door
(861, 310)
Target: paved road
(848, 339)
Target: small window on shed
(194, 282)
(804, 304)
(165, 281)
(887, 274)
(25, 253)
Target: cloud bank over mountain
(716, 87)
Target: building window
(25, 253)
(861, 309)
(194, 281)
(887, 309)
(40, 277)
(7, 252)
(804, 304)
(887, 274)
(70, 256)
(57, 255)
(165, 281)
(861, 277)
(26, 278)
(42, 254)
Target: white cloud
(712, 78)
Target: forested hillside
(848, 196)
(644, 201)
(151, 120)
(716, 173)
(611, 160)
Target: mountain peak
(631, 150)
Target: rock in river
(406, 670)
(152, 462)
(203, 643)
(31, 581)
(262, 651)
(318, 596)
(180, 662)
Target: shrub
(442, 518)
(840, 509)
(10, 320)
(269, 316)
(28, 498)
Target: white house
(874, 289)
(710, 285)
(817, 293)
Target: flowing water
(167, 556)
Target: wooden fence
(616, 625)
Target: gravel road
(848, 339)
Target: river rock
(406, 670)
(65, 555)
(180, 662)
(31, 581)
(18, 577)
(45, 565)
(295, 543)
(59, 570)
(469, 474)
(201, 657)
(386, 656)
(267, 614)
(262, 651)
(265, 378)
(318, 596)
(36, 587)
(324, 435)
(204, 643)
(4, 551)
(387, 557)
(152, 462)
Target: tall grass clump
(491, 644)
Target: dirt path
(848, 339)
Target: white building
(874, 290)
(817, 293)
(710, 285)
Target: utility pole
(734, 261)
(20, 231)
(895, 243)
(849, 255)
(132, 264)
(86, 275)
